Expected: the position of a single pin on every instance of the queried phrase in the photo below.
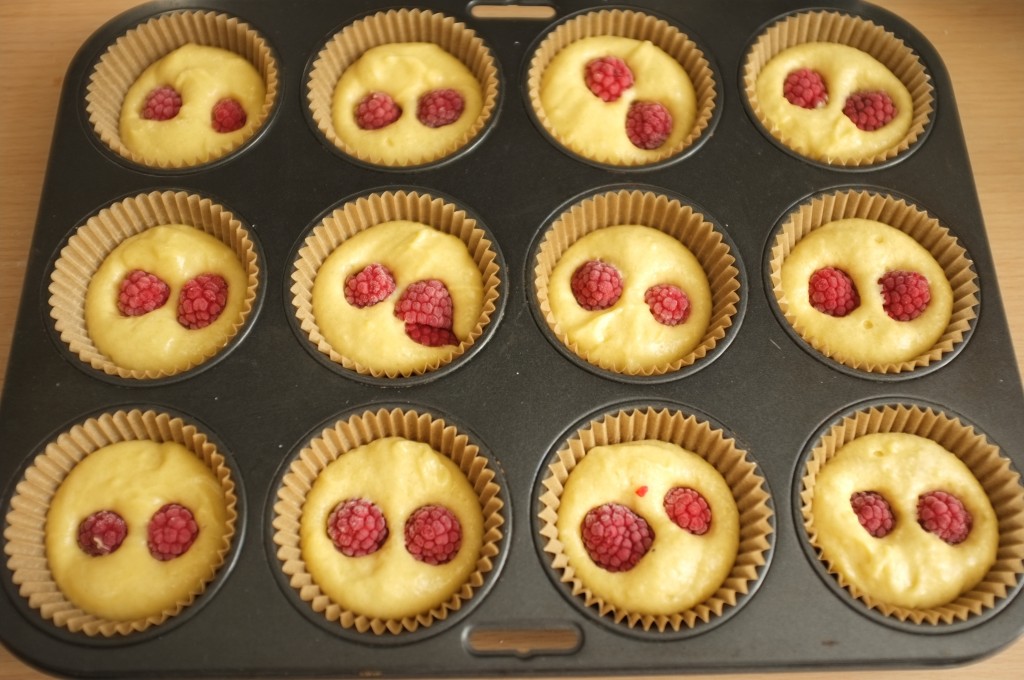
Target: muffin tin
(517, 394)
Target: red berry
(869, 110)
(202, 300)
(608, 77)
(831, 291)
(101, 533)
(944, 515)
(369, 286)
(873, 512)
(668, 303)
(426, 302)
(377, 110)
(440, 107)
(433, 534)
(905, 295)
(430, 336)
(648, 124)
(805, 88)
(162, 103)
(171, 531)
(615, 537)
(596, 285)
(357, 527)
(688, 509)
(227, 115)
(141, 292)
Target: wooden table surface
(981, 41)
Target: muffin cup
(911, 220)
(626, 23)
(25, 533)
(353, 432)
(132, 53)
(719, 260)
(986, 462)
(853, 31)
(368, 211)
(749, 490)
(400, 26)
(94, 240)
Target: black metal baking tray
(518, 394)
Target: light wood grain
(981, 41)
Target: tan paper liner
(638, 26)
(26, 519)
(866, 36)
(356, 431)
(659, 212)
(909, 219)
(749, 490)
(374, 209)
(985, 461)
(400, 26)
(103, 232)
(125, 60)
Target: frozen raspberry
(227, 115)
(433, 534)
(101, 533)
(905, 295)
(162, 103)
(440, 107)
(874, 512)
(426, 302)
(171, 531)
(831, 291)
(141, 292)
(805, 88)
(202, 300)
(615, 537)
(377, 110)
(430, 336)
(648, 124)
(869, 110)
(596, 285)
(944, 515)
(608, 77)
(688, 509)
(357, 527)
(369, 286)
(668, 303)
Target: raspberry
(101, 533)
(141, 292)
(905, 295)
(433, 534)
(608, 77)
(874, 512)
(944, 515)
(615, 537)
(596, 285)
(831, 291)
(162, 103)
(869, 110)
(648, 124)
(430, 336)
(357, 527)
(688, 509)
(426, 302)
(369, 286)
(439, 108)
(805, 88)
(668, 303)
(202, 300)
(377, 110)
(227, 115)
(171, 531)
